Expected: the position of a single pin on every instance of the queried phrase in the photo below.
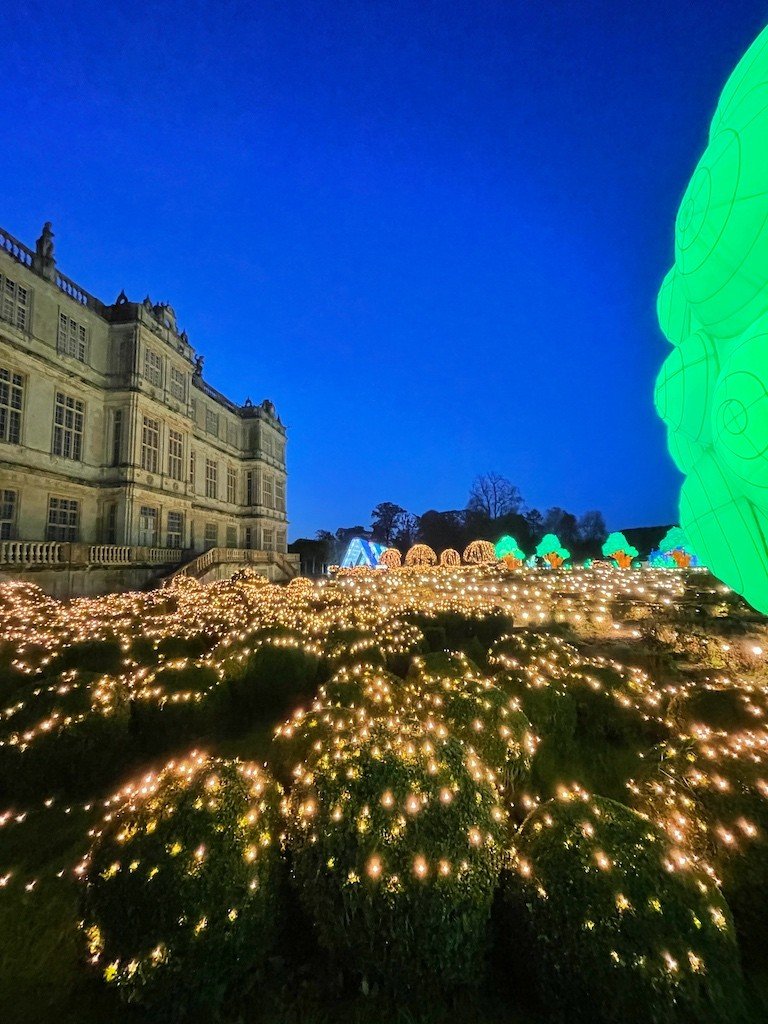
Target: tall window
(192, 469)
(63, 515)
(280, 495)
(72, 338)
(231, 536)
(117, 437)
(232, 437)
(175, 454)
(153, 367)
(175, 529)
(211, 479)
(14, 303)
(147, 526)
(250, 490)
(150, 445)
(266, 443)
(269, 492)
(178, 383)
(269, 540)
(211, 422)
(8, 503)
(11, 399)
(280, 540)
(68, 417)
(112, 524)
(231, 487)
(247, 537)
(211, 535)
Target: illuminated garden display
(508, 551)
(479, 551)
(346, 776)
(552, 551)
(712, 389)
(620, 550)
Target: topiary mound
(448, 689)
(615, 930)
(63, 734)
(182, 886)
(396, 845)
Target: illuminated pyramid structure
(362, 552)
(712, 391)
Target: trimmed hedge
(182, 897)
(396, 847)
(67, 741)
(614, 932)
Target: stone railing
(243, 556)
(30, 553)
(24, 255)
(15, 248)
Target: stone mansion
(110, 436)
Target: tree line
(495, 507)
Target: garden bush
(178, 705)
(65, 738)
(279, 672)
(182, 897)
(396, 847)
(611, 929)
(449, 689)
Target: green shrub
(448, 689)
(182, 899)
(612, 932)
(89, 656)
(65, 737)
(396, 847)
(273, 677)
(178, 705)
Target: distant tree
(407, 532)
(676, 544)
(494, 495)
(314, 554)
(385, 521)
(563, 524)
(591, 529)
(552, 551)
(620, 550)
(441, 530)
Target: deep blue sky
(432, 233)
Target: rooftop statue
(712, 391)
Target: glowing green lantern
(620, 550)
(712, 391)
(507, 547)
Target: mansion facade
(109, 434)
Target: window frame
(150, 454)
(69, 434)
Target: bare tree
(494, 496)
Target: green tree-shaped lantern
(508, 551)
(552, 551)
(620, 550)
(677, 546)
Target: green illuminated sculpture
(712, 391)
(552, 551)
(507, 549)
(620, 550)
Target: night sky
(431, 233)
